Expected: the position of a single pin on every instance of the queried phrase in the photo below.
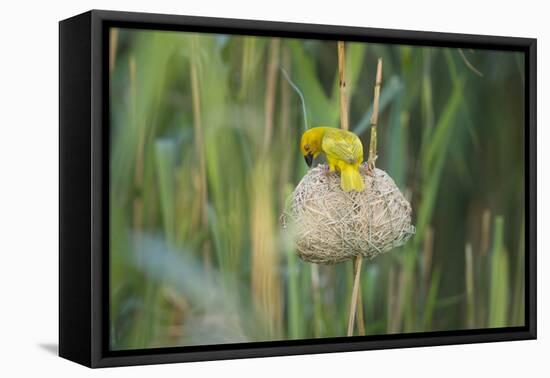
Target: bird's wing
(343, 148)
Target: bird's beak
(309, 159)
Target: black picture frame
(84, 186)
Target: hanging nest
(330, 225)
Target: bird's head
(310, 145)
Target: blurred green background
(204, 154)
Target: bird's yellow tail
(351, 179)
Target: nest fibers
(330, 225)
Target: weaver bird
(343, 150)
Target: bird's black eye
(306, 147)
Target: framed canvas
(235, 188)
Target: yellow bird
(343, 150)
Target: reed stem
(470, 289)
(138, 168)
(284, 120)
(270, 91)
(344, 124)
(113, 45)
(199, 145)
(360, 313)
(317, 305)
(344, 120)
(354, 294)
(427, 254)
(372, 158)
(374, 118)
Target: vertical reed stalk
(295, 327)
(397, 318)
(199, 145)
(113, 45)
(354, 294)
(470, 292)
(294, 308)
(132, 72)
(265, 275)
(374, 123)
(360, 315)
(317, 307)
(138, 168)
(371, 160)
(482, 267)
(344, 124)
(271, 86)
(396, 292)
(247, 67)
(344, 120)
(138, 181)
(519, 292)
(265, 280)
(485, 232)
(137, 204)
(428, 254)
(499, 283)
(285, 129)
(374, 118)
(390, 309)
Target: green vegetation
(204, 154)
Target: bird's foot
(326, 169)
(370, 167)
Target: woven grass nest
(330, 225)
